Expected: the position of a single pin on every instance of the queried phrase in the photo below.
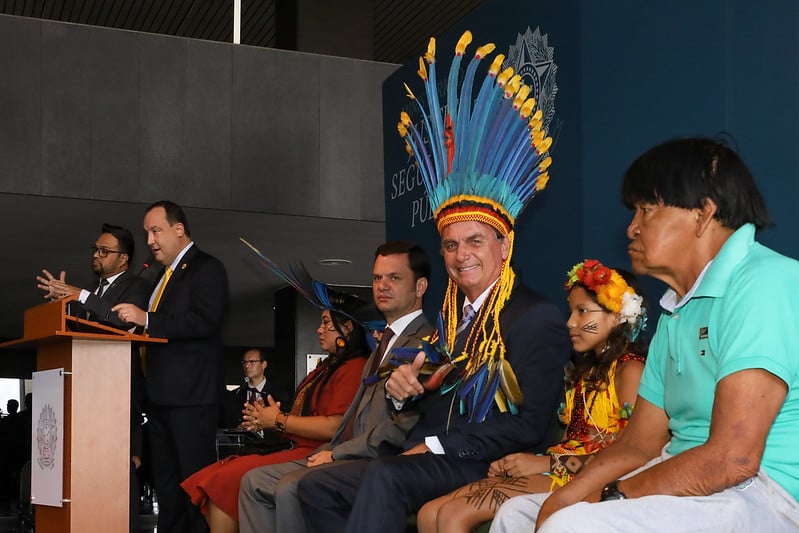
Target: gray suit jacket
(378, 429)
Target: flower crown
(612, 292)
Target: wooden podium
(96, 447)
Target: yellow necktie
(153, 307)
(167, 275)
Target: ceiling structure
(400, 28)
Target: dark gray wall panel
(208, 124)
(372, 168)
(20, 105)
(163, 89)
(340, 132)
(137, 118)
(66, 110)
(296, 133)
(254, 130)
(115, 115)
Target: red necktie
(380, 352)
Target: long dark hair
(348, 346)
(593, 368)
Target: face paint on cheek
(591, 327)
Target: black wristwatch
(611, 492)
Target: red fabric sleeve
(337, 394)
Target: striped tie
(468, 315)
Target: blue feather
(486, 400)
(437, 137)
(404, 354)
(464, 115)
(432, 354)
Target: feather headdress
(482, 159)
(323, 297)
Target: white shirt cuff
(84, 294)
(434, 444)
(398, 404)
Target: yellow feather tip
(513, 86)
(463, 42)
(405, 118)
(496, 65)
(430, 56)
(422, 72)
(409, 92)
(542, 181)
(503, 78)
(545, 164)
(520, 97)
(403, 131)
(544, 145)
(485, 50)
(527, 107)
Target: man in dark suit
(112, 254)
(449, 446)
(256, 385)
(184, 378)
(268, 495)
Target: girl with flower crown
(606, 316)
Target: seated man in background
(268, 495)
(710, 446)
(256, 385)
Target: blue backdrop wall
(630, 74)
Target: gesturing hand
(404, 381)
(46, 283)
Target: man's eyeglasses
(248, 362)
(103, 252)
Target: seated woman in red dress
(318, 408)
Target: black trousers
(182, 441)
(379, 495)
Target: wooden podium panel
(96, 435)
(96, 360)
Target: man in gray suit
(268, 495)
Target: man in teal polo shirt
(711, 444)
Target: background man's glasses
(103, 252)
(248, 362)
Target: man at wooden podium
(112, 254)
(183, 378)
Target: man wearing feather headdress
(491, 387)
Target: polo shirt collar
(714, 278)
